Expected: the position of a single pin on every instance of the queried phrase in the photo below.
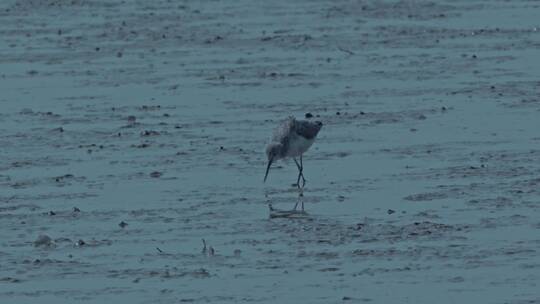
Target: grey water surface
(131, 130)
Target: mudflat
(132, 130)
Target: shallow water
(422, 186)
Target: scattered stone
(143, 145)
(150, 108)
(390, 211)
(10, 280)
(43, 241)
(155, 174)
(149, 133)
(51, 213)
(80, 243)
(122, 224)
(309, 115)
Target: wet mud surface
(132, 130)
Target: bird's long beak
(268, 168)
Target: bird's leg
(299, 172)
(302, 172)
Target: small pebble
(122, 224)
(390, 211)
(75, 209)
(309, 115)
(52, 213)
(80, 243)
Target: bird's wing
(283, 130)
(306, 129)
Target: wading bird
(292, 138)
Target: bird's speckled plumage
(295, 136)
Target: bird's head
(273, 151)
